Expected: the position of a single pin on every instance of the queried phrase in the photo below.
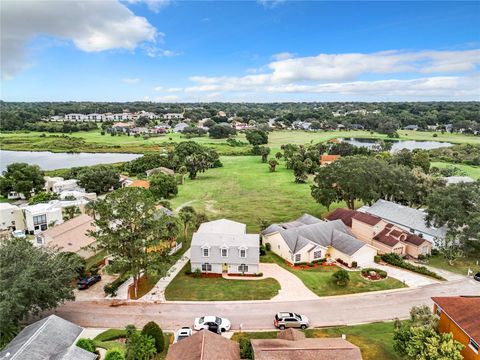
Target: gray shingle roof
(403, 216)
(305, 219)
(50, 338)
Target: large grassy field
(320, 281)
(95, 142)
(187, 287)
(472, 171)
(374, 340)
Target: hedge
(396, 260)
(111, 288)
(366, 271)
(111, 334)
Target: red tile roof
(387, 240)
(367, 218)
(342, 214)
(415, 240)
(464, 311)
(324, 159)
(140, 183)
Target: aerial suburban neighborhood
(239, 180)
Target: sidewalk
(158, 291)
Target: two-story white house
(223, 246)
(40, 217)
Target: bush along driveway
(320, 281)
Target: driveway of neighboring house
(95, 292)
(408, 277)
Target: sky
(239, 51)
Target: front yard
(374, 340)
(460, 266)
(319, 279)
(188, 288)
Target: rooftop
(140, 183)
(222, 226)
(367, 218)
(345, 215)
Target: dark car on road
(477, 276)
(85, 283)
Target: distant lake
(51, 161)
(397, 144)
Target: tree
(139, 346)
(264, 151)
(221, 131)
(127, 226)
(300, 171)
(256, 137)
(163, 186)
(32, 280)
(341, 277)
(42, 197)
(421, 159)
(278, 155)
(22, 178)
(187, 215)
(200, 218)
(114, 354)
(272, 165)
(86, 344)
(99, 179)
(153, 330)
(450, 248)
(457, 207)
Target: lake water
(51, 161)
(398, 144)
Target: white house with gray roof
(407, 218)
(49, 338)
(308, 239)
(223, 246)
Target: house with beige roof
(308, 239)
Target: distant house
(180, 127)
(49, 338)
(409, 219)
(71, 236)
(139, 183)
(451, 180)
(66, 185)
(204, 345)
(460, 315)
(292, 344)
(173, 116)
(160, 169)
(11, 217)
(122, 126)
(411, 127)
(357, 127)
(308, 239)
(40, 217)
(328, 159)
(221, 114)
(223, 246)
(384, 236)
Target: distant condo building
(124, 116)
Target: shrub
(111, 334)
(377, 258)
(354, 264)
(301, 263)
(268, 246)
(260, 274)
(188, 272)
(341, 277)
(246, 351)
(435, 135)
(435, 252)
(263, 252)
(197, 273)
(381, 273)
(114, 354)
(396, 260)
(111, 288)
(152, 329)
(86, 344)
(340, 261)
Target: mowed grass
(374, 340)
(460, 266)
(244, 190)
(469, 170)
(320, 281)
(188, 288)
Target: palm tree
(187, 215)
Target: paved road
(327, 311)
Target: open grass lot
(460, 266)
(244, 190)
(320, 281)
(469, 170)
(374, 340)
(95, 142)
(186, 287)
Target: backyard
(187, 287)
(374, 340)
(319, 279)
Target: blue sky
(162, 50)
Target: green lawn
(374, 340)
(460, 266)
(186, 287)
(320, 281)
(469, 170)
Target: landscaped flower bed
(373, 274)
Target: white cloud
(168, 98)
(174, 89)
(283, 56)
(131, 80)
(153, 5)
(154, 51)
(158, 88)
(92, 26)
(269, 4)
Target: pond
(51, 161)
(396, 145)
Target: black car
(477, 276)
(85, 283)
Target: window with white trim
(242, 253)
(206, 252)
(472, 344)
(298, 257)
(206, 267)
(224, 252)
(317, 254)
(243, 268)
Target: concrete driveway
(94, 292)
(408, 277)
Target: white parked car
(20, 234)
(183, 333)
(211, 323)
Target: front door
(225, 268)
